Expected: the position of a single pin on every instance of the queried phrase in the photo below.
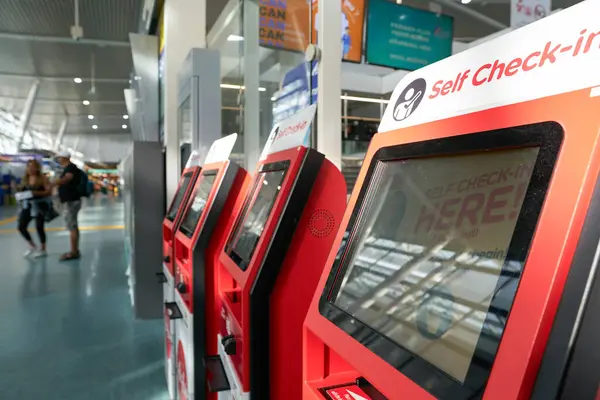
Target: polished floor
(67, 330)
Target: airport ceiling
(36, 43)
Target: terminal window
(429, 250)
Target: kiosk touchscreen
(166, 277)
(200, 235)
(467, 226)
(271, 263)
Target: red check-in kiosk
(199, 238)
(460, 267)
(272, 262)
(166, 277)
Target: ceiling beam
(63, 40)
(46, 100)
(64, 78)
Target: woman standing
(34, 208)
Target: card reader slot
(215, 374)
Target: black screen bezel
(248, 202)
(182, 228)
(189, 175)
(548, 136)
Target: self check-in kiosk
(271, 264)
(166, 276)
(199, 237)
(473, 220)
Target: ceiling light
(124, 126)
(77, 80)
(125, 116)
(273, 98)
(365, 99)
(86, 102)
(94, 126)
(465, 1)
(90, 116)
(228, 86)
(235, 38)
(262, 89)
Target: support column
(185, 28)
(60, 134)
(251, 82)
(329, 116)
(27, 109)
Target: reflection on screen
(194, 212)
(248, 233)
(429, 250)
(179, 197)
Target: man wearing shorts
(68, 192)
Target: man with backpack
(72, 185)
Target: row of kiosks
(166, 277)
(465, 264)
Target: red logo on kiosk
(182, 382)
(351, 392)
(168, 342)
(409, 99)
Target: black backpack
(85, 187)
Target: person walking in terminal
(34, 207)
(70, 197)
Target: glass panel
(178, 199)
(248, 234)
(194, 212)
(185, 122)
(429, 249)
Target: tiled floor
(67, 330)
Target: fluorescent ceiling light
(94, 126)
(465, 1)
(238, 87)
(86, 102)
(273, 98)
(365, 99)
(90, 116)
(125, 116)
(77, 80)
(124, 126)
(235, 38)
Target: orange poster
(352, 26)
(284, 24)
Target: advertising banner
(523, 12)
(352, 27)
(285, 24)
(406, 38)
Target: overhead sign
(523, 12)
(563, 49)
(352, 28)
(297, 91)
(221, 149)
(291, 132)
(407, 38)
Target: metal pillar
(61, 133)
(251, 82)
(27, 109)
(329, 117)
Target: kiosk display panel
(179, 196)
(200, 197)
(257, 209)
(436, 246)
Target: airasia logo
(550, 54)
(182, 382)
(290, 130)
